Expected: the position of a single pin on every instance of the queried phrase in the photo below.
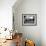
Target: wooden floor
(9, 43)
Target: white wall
(6, 13)
(28, 7)
(43, 22)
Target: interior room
(22, 22)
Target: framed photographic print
(29, 19)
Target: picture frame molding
(35, 15)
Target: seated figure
(18, 39)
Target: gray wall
(28, 7)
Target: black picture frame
(29, 19)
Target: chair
(29, 43)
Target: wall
(6, 13)
(28, 7)
(43, 22)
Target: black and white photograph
(29, 19)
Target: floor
(9, 43)
(13, 41)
